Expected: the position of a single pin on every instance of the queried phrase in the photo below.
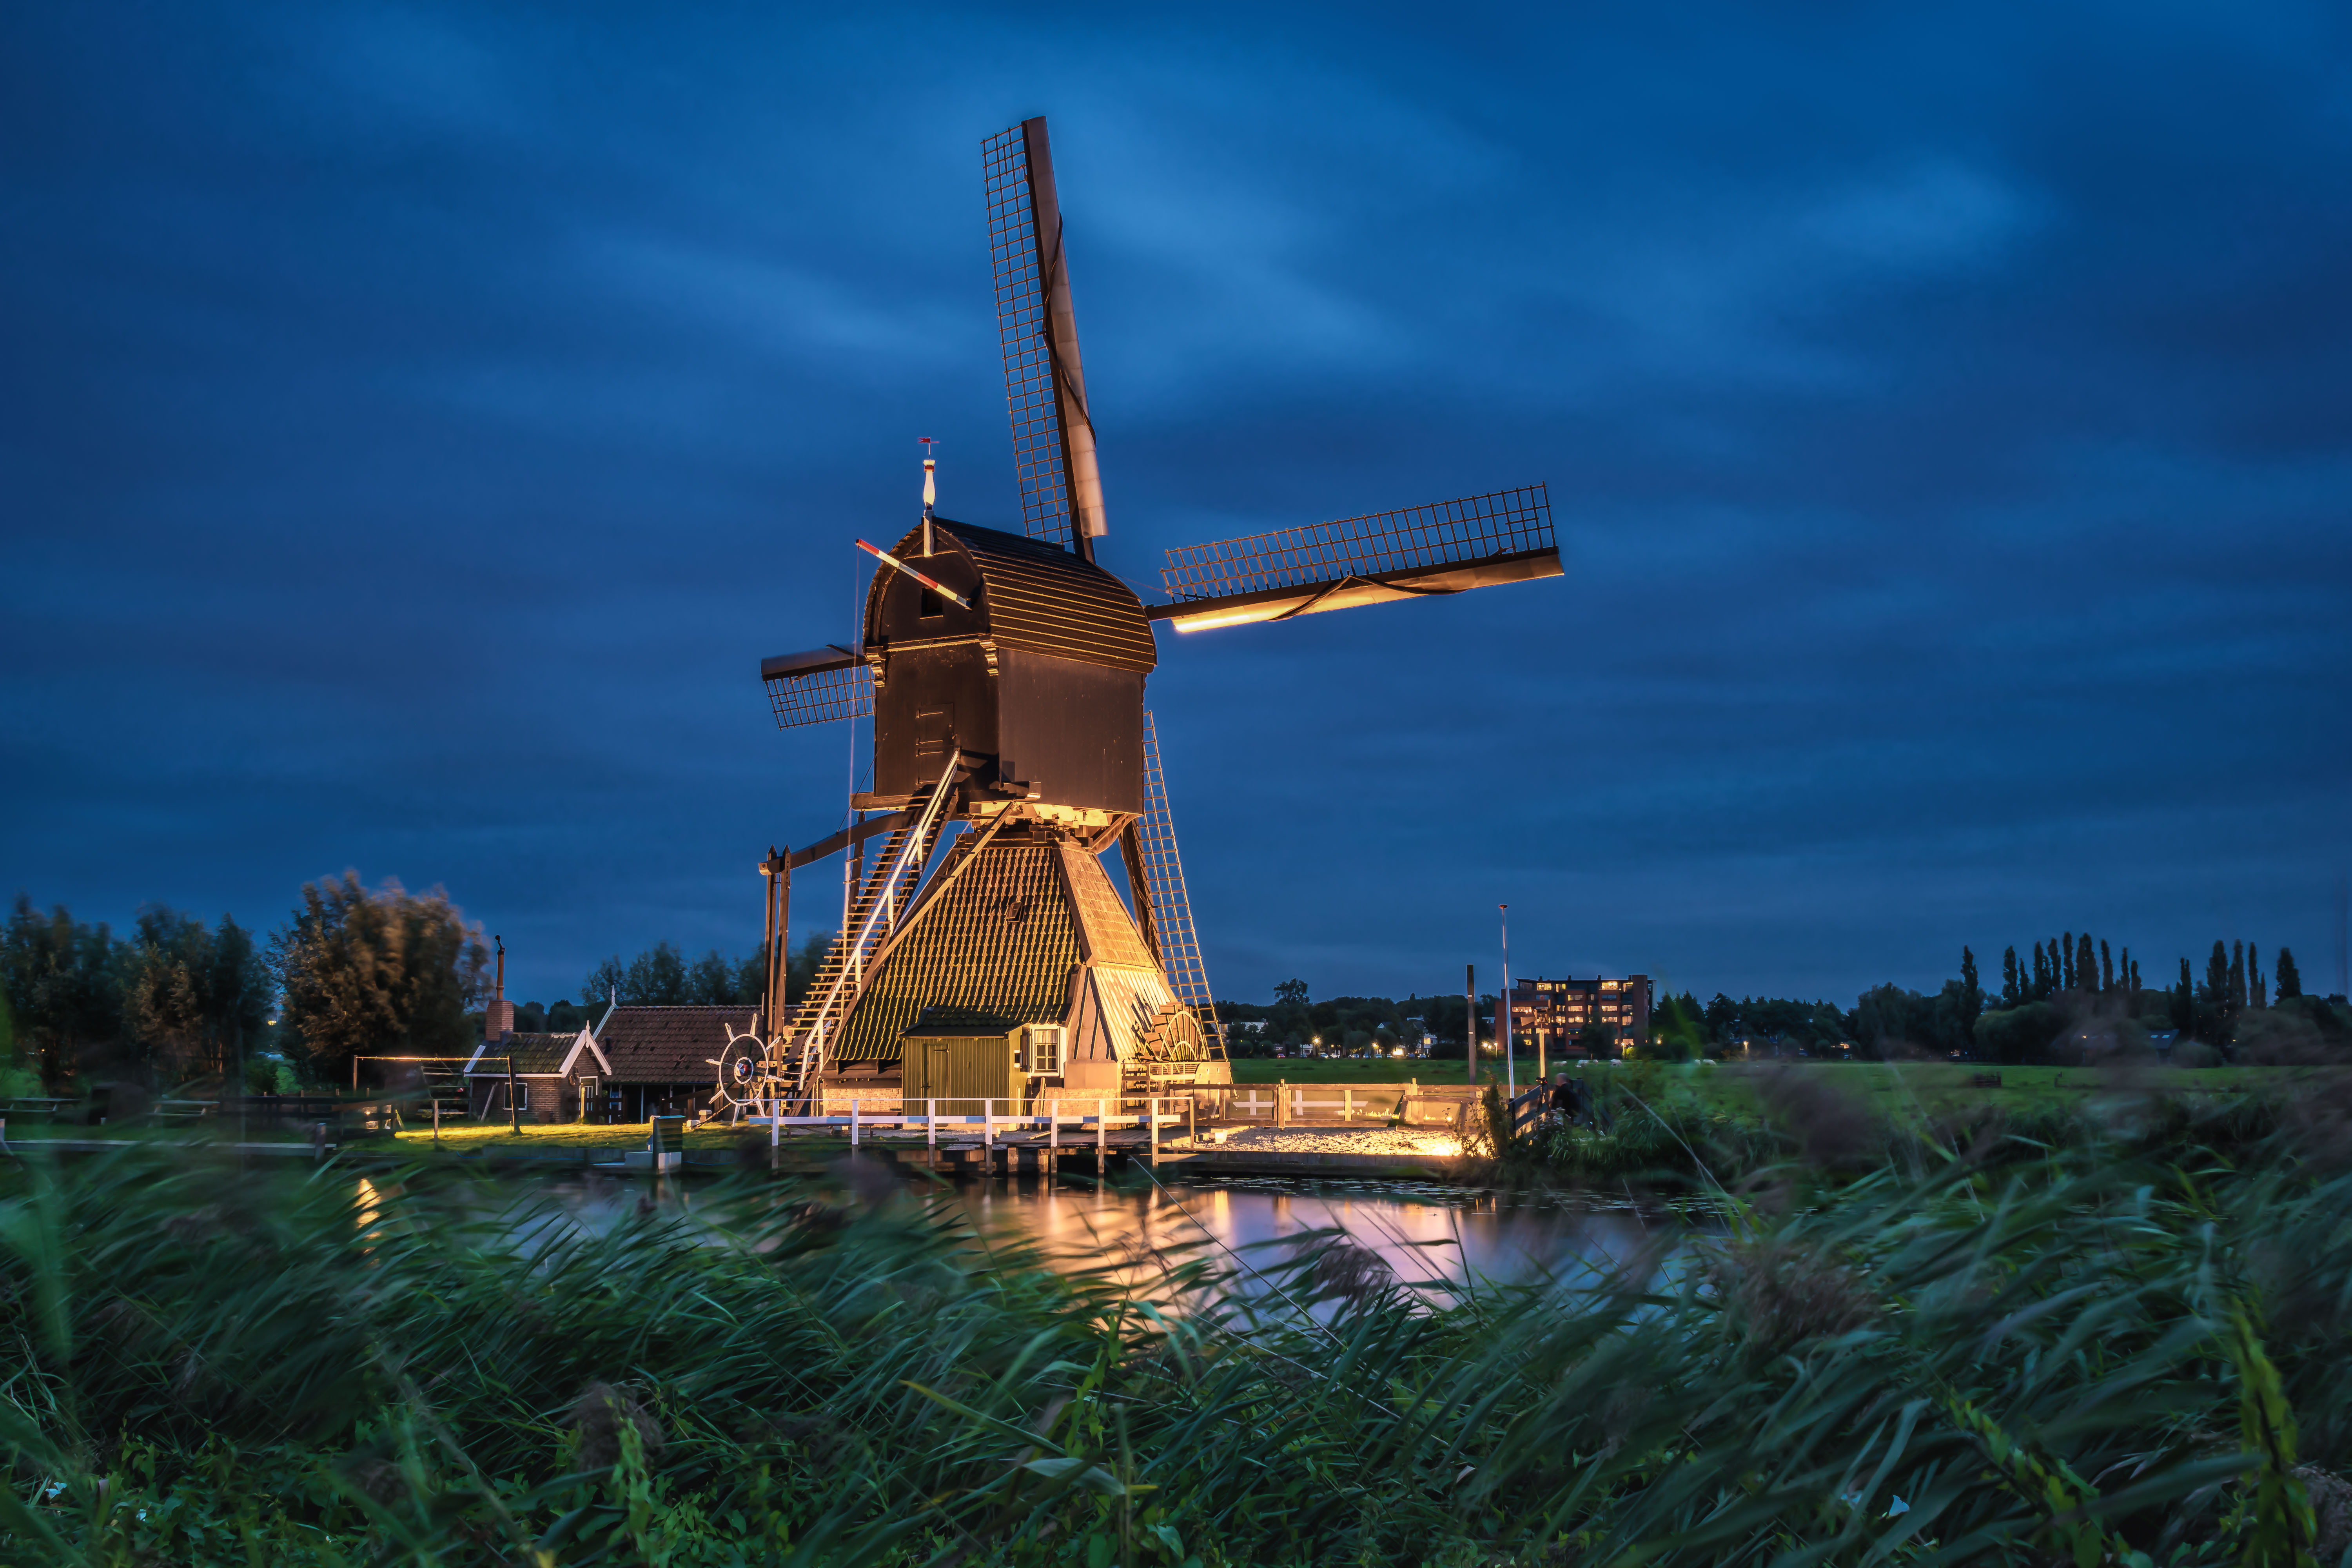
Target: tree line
(2070, 992)
(354, 971)
(660, 976)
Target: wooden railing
(1283, 1104)
(1158, 1113)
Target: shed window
(1041, 1050)
(933, 605)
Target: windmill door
(934, 734)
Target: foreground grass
(2089, 1358)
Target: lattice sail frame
(820, 697)
(1475, 528)
(1025, 330)
(1172, 903)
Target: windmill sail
(817, 686)
(1473, 542)
(1172, 905)
(1044, 385)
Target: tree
(2016, 1034)
(1971, 990)
(2011, 990)
(2041, 974)
(1293, 992)
(2290, 979)
(1889, 1016)
(381, 973)
(711, 981)
(2235, 997)
(800, 965)
(2107, 967)
(656, 978)
(2087, 964)
(602, 985)
(2254, 988)
(192, 996)
(2067, 961)
(64, 990)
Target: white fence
(990, 1122)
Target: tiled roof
(960, 1023)
(1000, 940)
(535, 1055)
(669, 1045)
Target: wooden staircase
(842, 976)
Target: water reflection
(1437, 1240)
(1428, 1237)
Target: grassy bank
(2084, 1357)
(1269, 1070)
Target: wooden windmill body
(1005, 674)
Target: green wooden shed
(960, 1057)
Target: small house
(663, 1061)
(553, 1077)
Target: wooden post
(436, 1121)
(931, 1125)
(853, 1103)
(987, 1128)
(1412, 1097)
(1154, 1104)
(1192, 1121)
(1470, 995)
(1102, 1133)
(1281, 1103)
(1347, 1105)
(514, 1113)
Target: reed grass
(2090, 1355)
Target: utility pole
(1470, 995)
(1503, 1011)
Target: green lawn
(1267, 1070)
(481, 1138)
(1898, 1089)
(22, 1130)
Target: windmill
(1004, 673)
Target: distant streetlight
(1503, 1010)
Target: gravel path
(1334, 1141)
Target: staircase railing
(847, 962)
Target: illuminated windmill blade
(1478, 541)
(817, 686)
(1171, 904)
(1045, 386)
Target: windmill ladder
(1172, 906)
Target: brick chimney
(498, 1019)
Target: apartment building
(1554, 1011)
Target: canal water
(1430, 1237)
(1436, 1239)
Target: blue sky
(416, 423)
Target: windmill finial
(930, 488)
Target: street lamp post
(1503, 1010)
